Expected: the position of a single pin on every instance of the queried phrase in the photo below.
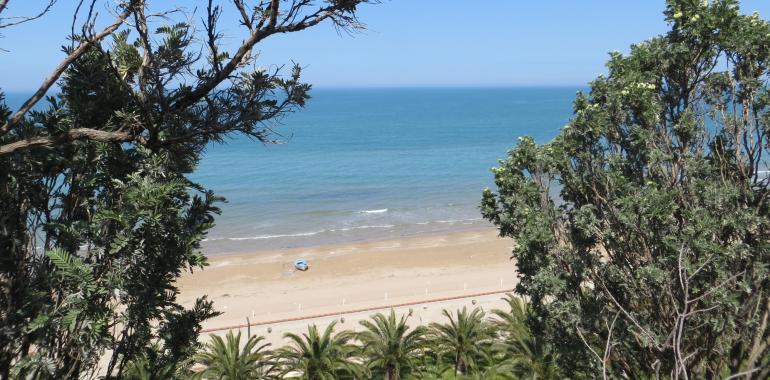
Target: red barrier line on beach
(373, 308)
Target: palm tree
(430, 365)
(390, 349)
(317, 356)
(226, 360)
(153, 364)
(529, 355)
(513, 321)
(492, 372)
(144, 368)
(466, 338)
(487, 372)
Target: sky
(408, 43)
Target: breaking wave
(377, 211)
(300, 234)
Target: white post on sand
(252, 313)
(299, 306)
(386, 296)
(426, 291)
(465, 286)
(501, 282)
(343, 302)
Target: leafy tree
(642, 231)
(315, 356)
(465, 339)
(225, 359)
(432, 364)
(527, 355)
(98, 217)
(511, 322)
(149, 367)
(497, 371)
(389, 348)
(490, 372)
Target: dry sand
(264, 286)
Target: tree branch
(245, 19)
(59, 70)
(744, 373)
(245, 49)
(273, 13)
(3, 4)
(69, 136)
(21, 20)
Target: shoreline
(355, 278)
(237, 245)
(350, 242)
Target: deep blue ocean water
(363, 164)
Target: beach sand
(409, 271)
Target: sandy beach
(409, 271)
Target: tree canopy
(642, 231)
(98, 216)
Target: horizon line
(417, 86)
(393, 87)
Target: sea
(361, 164)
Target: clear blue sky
(409, 42)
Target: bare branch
(245, 19)
(273, 13)
(212, 16)
(719, 286)
(69, 136)
(608, 346)
(23, 19)
(759, 345)
(244, 51)
(144, 34)
(630, 317)
(580, 334)
(744, 373)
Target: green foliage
(390, 349)
(468, 346)
(314, 356)
(148, 367)
(228, 360)
(465, 339)
(98, 216)
(642, 230)
(523, 353)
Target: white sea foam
(449, 221)
(452, 221)
(377, 211)
(262, 237)
(301, 234)
(343, 229)
(362, 227)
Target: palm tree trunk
(460, 366)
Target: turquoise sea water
(364, 164)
